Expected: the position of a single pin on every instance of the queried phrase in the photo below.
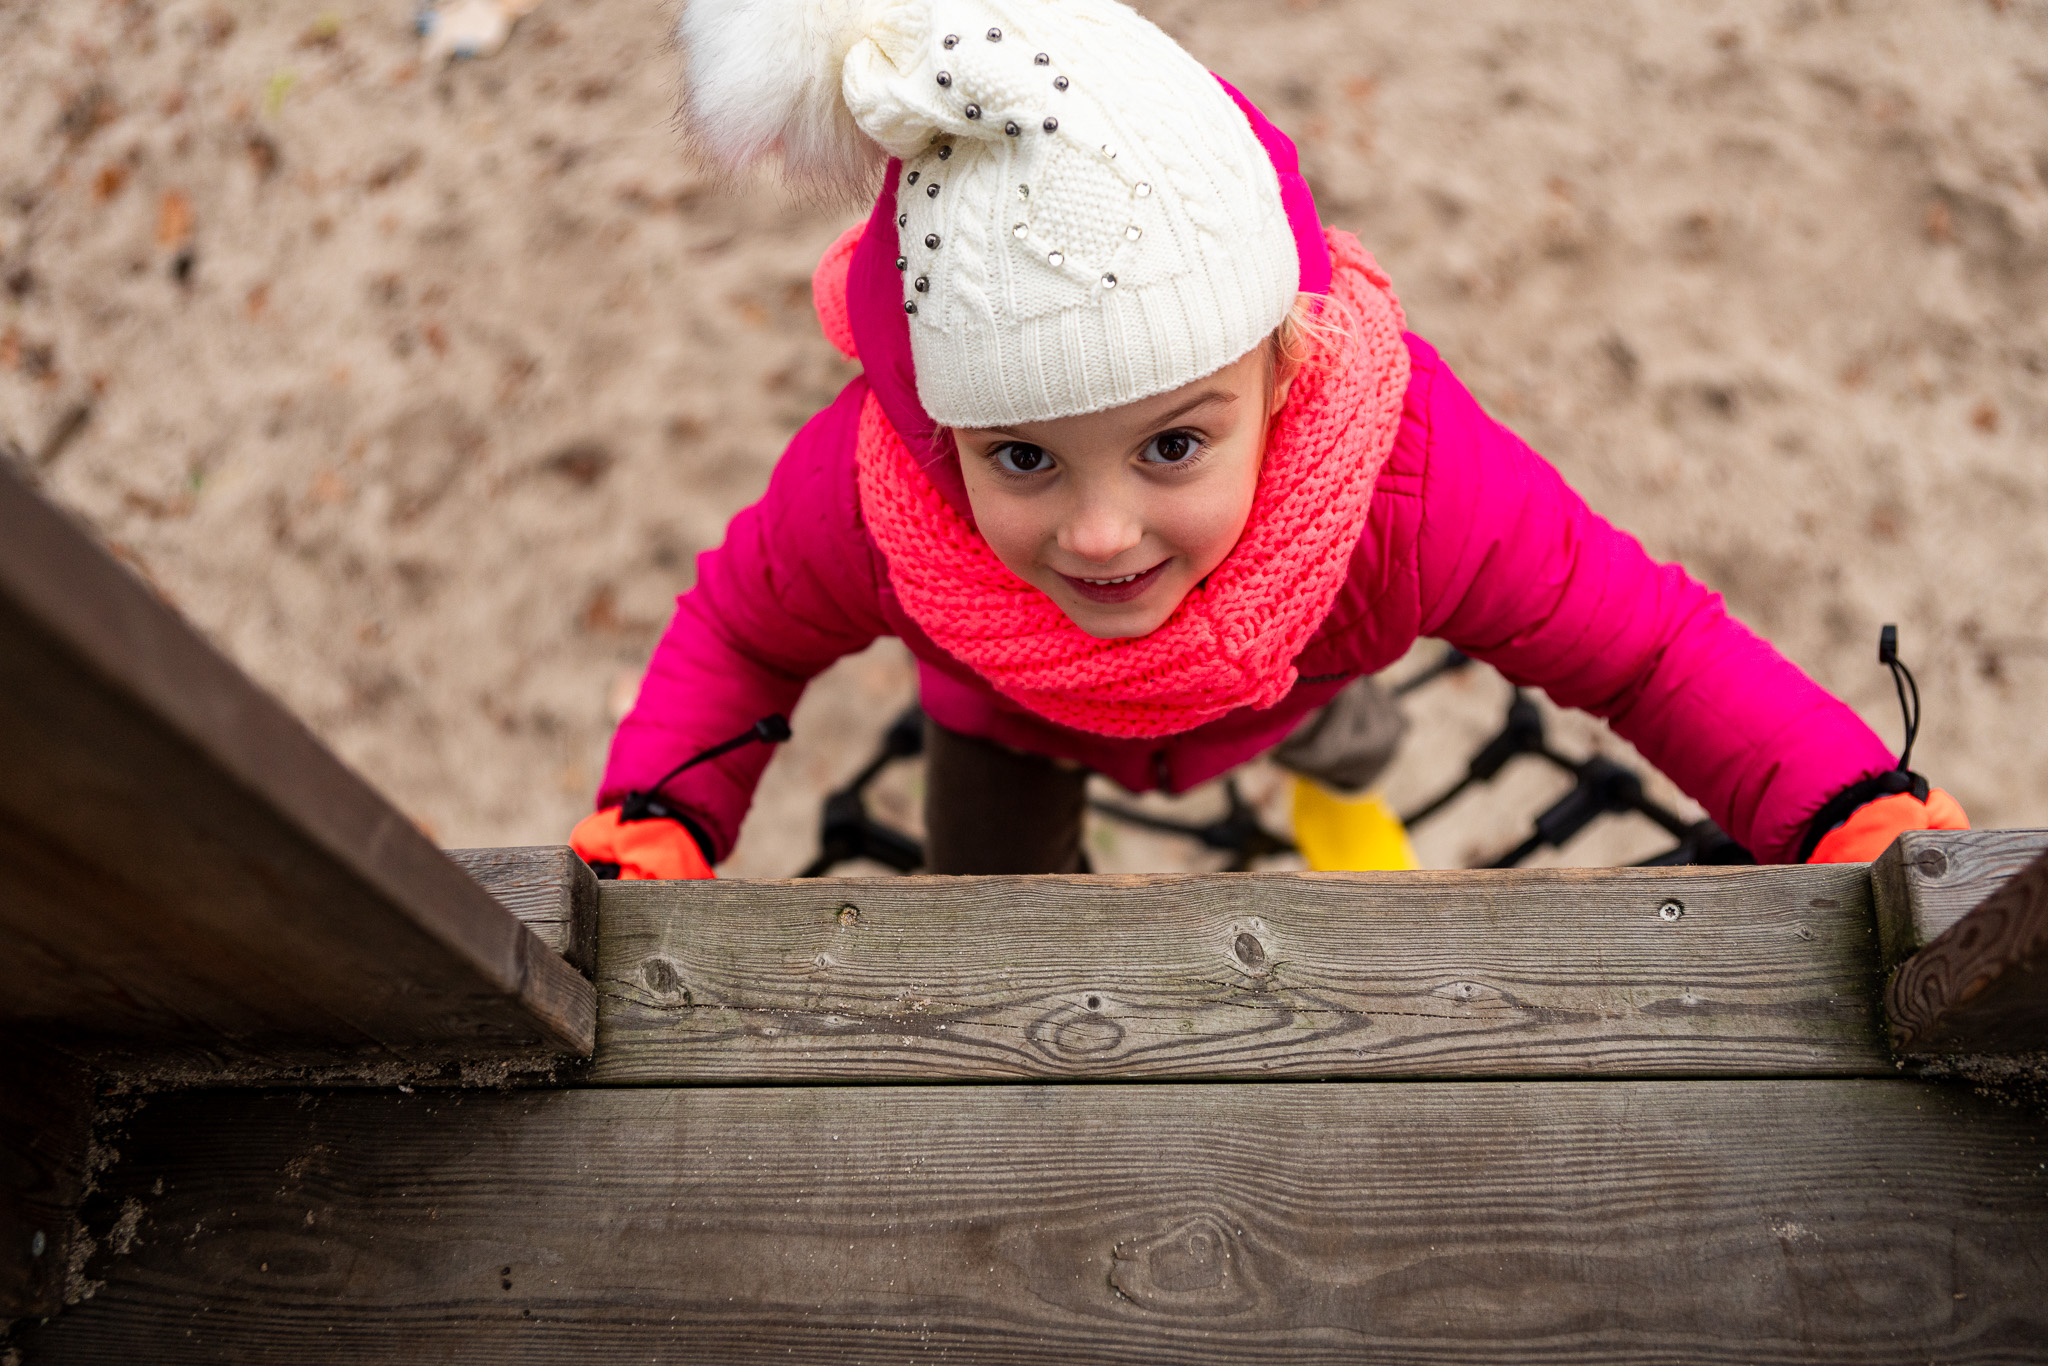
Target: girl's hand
(640, 851)
(1875, 824)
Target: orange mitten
(646, 850)
(1872, 827)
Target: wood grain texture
(182, 862)
(45, 1127)
(1929, 879)
(1982, 985)
(1695, 1222)
(1522, 974)
(550, 890)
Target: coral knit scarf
(1232, 641)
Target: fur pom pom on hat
(1085, 216)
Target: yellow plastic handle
(1349, 834)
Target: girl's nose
(1099, 530)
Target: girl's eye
(1014, 457)
(1172, 448)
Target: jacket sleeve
(1517, 571)
(792, 588)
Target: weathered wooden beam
(1929, 879)
(1981, 986)
(45, 1128)
(1698, 1222)
(550, 890)
(182, 864)
(1654, 972)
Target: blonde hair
(1315, 323)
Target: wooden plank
(183, 864)
(45, 1128)
(1698, 1222)
(1982, 985)
(1929, 879)
(550, 890)
(1521, 973)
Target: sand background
(418, 390)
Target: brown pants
(988, 809)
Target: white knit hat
(1085, 217)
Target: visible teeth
(1125, 579)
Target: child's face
(1116, 515)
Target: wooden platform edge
(1869, 1221)
(1520, 974)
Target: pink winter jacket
(1473, 539)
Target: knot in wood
(1250, 952)
(1082, 1037)
(1466, 993)
(1193, 1267)
(664, 981)
(1070, 1033)
(1931, 863)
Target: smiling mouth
(1120, 589)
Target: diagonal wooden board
(1478, 1222)
(183, 866)
(1765, 971)
(1982, 986)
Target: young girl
(1144, 469)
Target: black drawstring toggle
(648, 805)
(1889, 783)
(1902, 679)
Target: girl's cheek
(1208, 520)
(1011, 528)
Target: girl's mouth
(1122, 588)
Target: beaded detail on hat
(1147, 244)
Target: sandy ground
(419, 389)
